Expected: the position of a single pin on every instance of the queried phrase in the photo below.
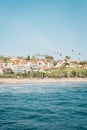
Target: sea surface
(48, 106)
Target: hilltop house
(2, 64)
(22, 68)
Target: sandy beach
(34, 80)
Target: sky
(30, 27)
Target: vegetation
(56, 73)
(28, 57)
(5, 59)
(67, 72)
(34, 58)
(49, 57)
(79, 68)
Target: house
(1, 71)
(34, 65)
(2, 64)
(21, 69)
(10, 65)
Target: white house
(21, 69)
(1, 71)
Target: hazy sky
(43, 26)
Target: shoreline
(36, 80)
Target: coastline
(36, 80)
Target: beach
(36, 80)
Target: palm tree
(67, 58)
(59, 54)
(79, 55)
(72, 50)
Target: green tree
(73, 73)
(28, 57)
(67, 58)
(49, 57)
(34, 58)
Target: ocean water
(52, 106)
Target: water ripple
(58, 106)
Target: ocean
(48, 106)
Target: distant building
(21, 69)
(2, 64)
(1, 71)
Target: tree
(58, 54)
(21, 57)
(73, 73)
(49, 57)
(55, 63)
(28, 57)
(34, 58)
(67, 58)
(79, 54)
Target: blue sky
(30, 27)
